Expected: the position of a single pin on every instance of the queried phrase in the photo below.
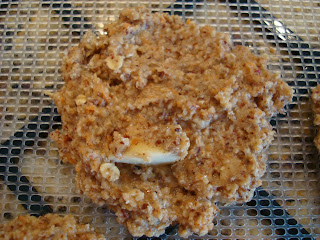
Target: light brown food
(316, 111)
(150, 75)
(49, 226)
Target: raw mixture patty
(50, 226)
(316, 111)
(157, 79)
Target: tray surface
(34, 37)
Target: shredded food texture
(49, 226)
(155, 78)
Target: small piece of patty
(47, 227)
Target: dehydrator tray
(36, 34)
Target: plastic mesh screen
(34, 36)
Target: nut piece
(114, 63)
(109, 171)
(81, 99)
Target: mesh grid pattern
(34, 36)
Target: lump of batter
(50, 226)
(178, 89)
(316, 111)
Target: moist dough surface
(157, 79)
(49, 226)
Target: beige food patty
(316, 111)
(47, 227)
(157, 80)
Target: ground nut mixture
(157, 79)
(316, 110)
(50, 226)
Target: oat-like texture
(50, 226)
(157, 79)
(316, 111)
